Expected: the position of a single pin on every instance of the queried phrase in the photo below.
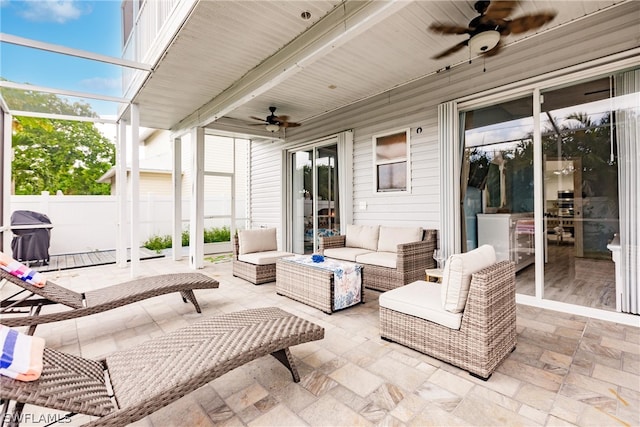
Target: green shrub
(211, 235)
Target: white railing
(89, 223)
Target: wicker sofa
(475, 331)
(390, 256)
(255, 253)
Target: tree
(52, 155)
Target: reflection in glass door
(497, 190)
(315, 200)
(580, 194)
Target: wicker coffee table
(314, 284)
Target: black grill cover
(31, 244)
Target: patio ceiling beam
(21, 41)
(341, 25)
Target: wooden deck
(89, 259)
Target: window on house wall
(391, 162)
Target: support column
(121, 194)
(5, 172)
(176, 179)
(196, 217)
(135, 190)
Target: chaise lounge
(23, 307)
(188, 359)
(468, 320)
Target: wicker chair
(487, 334)
(256, 273)
(19, 310)
(187, 359)
(413, 259)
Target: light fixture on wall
(273, 127)
(484, 42)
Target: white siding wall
(266, 186)
(415, 105)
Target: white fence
(89, 223)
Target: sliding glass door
(315, 209)
(555, 195)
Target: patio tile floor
(566, 369)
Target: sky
(89, 25)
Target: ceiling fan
(485, 31)
(274, 123)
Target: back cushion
(457, 276)
(362, 236)
(391, 237)
(258, 240)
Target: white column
(135, 190)
(5, 158)
(196, 217)
(176, 179)
(121, 193)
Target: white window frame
(376, 163)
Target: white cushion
(382, 259)
(362, 236)
(420, 299)
(456, 277)
(391, 237)
(257, 240)
(347, 254)
(263, 258)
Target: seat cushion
(263, 258)
(456, 277)
(347, 254)
(382, 259)
(257, 240)
(390, 237)
(421, 299)
(362, 236)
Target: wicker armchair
(413, 259)
(487, 334)
(261, 268)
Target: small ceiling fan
(485, 31)
(274, 123)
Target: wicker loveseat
(255, 253)
(390, 256)
(475, 331)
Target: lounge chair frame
(28, 302)
(150, 376)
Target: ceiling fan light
(272, 127)
(484, 41)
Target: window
(391, 162)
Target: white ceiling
(234, 59)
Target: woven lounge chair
(23, 308)
(150, 376)
(487, 333)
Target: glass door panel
(581, 194)
(302, 203)
(327, 206)
(497, 185)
